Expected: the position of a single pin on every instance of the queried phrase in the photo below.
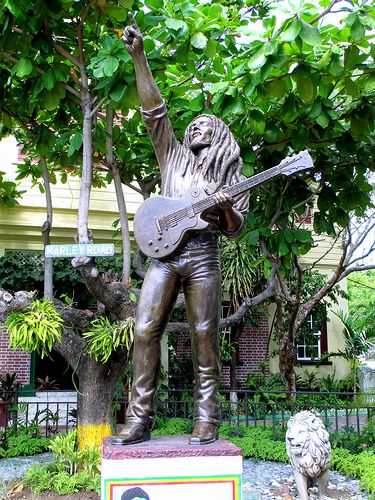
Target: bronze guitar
(162, 224)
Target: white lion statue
(309, 451)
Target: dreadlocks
(223, 161)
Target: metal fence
(47, 418)
(249, 408)
(271, 409)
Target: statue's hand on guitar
(223, 200)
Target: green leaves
(175, 24)
(306, 89)
(322, 224)
(310, 34)
(198, 40)
(53, 97)
(357, 30)
(241, 270)
(257, 121)
(306, 83)
(36, 329)
(154, 4)
(8, 192)
(197, 103)
(23, 68)
(257, 60)
(107, 61)
(110, 65)
(292, 31)
(104, 337)
(117, 12)
(75, 143)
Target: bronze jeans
(197, 269)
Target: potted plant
(8, 387)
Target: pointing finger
(132, 20)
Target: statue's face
(297, 438)
(201, 131)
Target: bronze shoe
(204, 433)
(133, 433)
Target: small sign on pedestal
(167, 468)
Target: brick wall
(252, 350)
(14, 360)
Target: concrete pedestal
(167, 468)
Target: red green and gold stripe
(233, 479)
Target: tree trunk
(95, 399)
(286, 363)
(46, 230)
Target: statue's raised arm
(148, 91)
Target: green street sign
(82, 250)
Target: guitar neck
(256, 180)
(239, 188)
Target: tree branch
(325, 12)
(124, 223)
(327, 252)
(98, 106)
(112, 294)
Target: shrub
(49, 478)
(257, 443)
(24, 445)
(319, 400)
(40, 477)
(174, 427)
(349, 439)
(361, 466)
(14, 444)
(74, 470)
(236, 431)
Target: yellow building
(20, 227)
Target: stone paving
(261, 480)
(15, 468)
(275, 481)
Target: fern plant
(105, 337)
(241, 270)
(36, 328)
(70, 459)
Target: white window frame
(305, 347)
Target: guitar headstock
(297, 163)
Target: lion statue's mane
(307, 444)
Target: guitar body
(162, 224)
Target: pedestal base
(167, 468)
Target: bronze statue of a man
(209, 158)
